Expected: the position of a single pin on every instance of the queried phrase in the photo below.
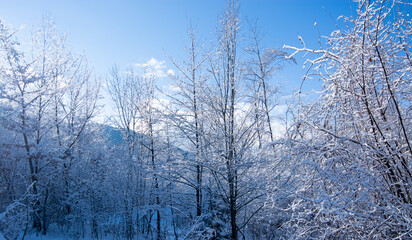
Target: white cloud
(170, 72)
(155, 68)
(173, 88)
(152, 63)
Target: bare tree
(231, 124)
(126, 93)
(21, 92)
(357, 140)
(264, 64)
(188, 87)
(45, 88)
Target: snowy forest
(211, 157)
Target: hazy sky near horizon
(135, 31)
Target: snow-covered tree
(186, 113)
(352, 147)
(48, 99)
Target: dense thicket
(204, 160)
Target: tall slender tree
(188, 87)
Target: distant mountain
(113, 135)
(115, 138)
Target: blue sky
(134, 31)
